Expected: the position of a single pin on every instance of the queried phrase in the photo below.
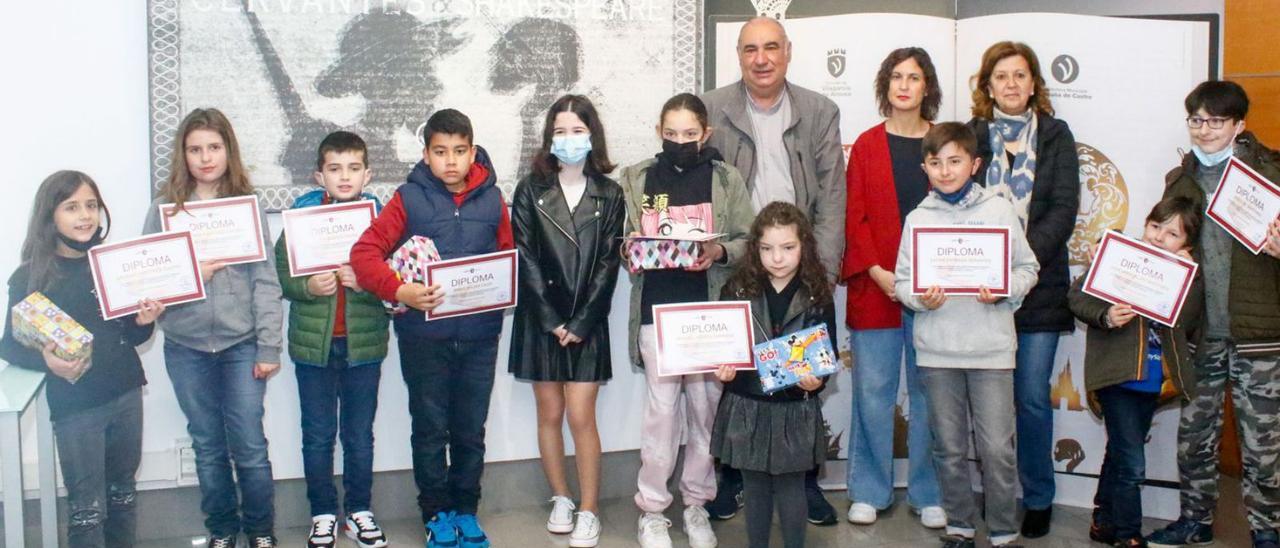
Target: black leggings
(763, 492)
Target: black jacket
(568, 266)
(804, 312)
(1051, 218)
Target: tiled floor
(897, 528)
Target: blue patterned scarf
(1013, 182)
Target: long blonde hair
(178, 187)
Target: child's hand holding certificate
(783, 361)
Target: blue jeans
(99, 450)
(878, 358)
(320, 392)
(450, 382)
(1127, 414)
(1031, 385)
(223, 405)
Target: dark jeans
(321, 391)
(449, 385)
(1127, 414)
(223, 405)
(99, 450)
(763, 492)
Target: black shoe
(262, 541)
(728, 498)
(1102, 532)
(955, 541)
(1135, 542)
(1035, 523)
(820, 511)
(214, 541)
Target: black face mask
(82, 246)
(681, 155)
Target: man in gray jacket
(785, 140)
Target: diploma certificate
(700, 337)
(320, 238)
(960, 259)
(158, 266)
(1151, 280)
(225, 230)
(475, 284)
(1245, 204)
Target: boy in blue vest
(452, 198)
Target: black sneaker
(728, 495)
(262, 541)
(213, 541)
(1135, 542)
(1100, 531)
(1265, 538)
(1183, 532)
(956, 541)
(820, 511)
(1035, 523)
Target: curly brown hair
(749, 275)
(932, 90)
(983, 104)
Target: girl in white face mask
(566, 217)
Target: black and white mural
(287, 72)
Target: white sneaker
(933, 517)
(561, 519)
(586, 532)
(322, 533)
(653, 531)
(362, 528)
(861, 513)
(697, 525)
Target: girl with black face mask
(686, 191)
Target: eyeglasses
(1215, 122)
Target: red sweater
(873, 229)
(379, 241)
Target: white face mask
(1213, 159)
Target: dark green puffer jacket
(1253, 298)
(311, 318)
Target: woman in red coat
(885, 182)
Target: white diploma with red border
(1151, 280)
(225, 230)
(159, 266)
(479, 283)
(320, 238)
(697, 338)
(960, 259)
(1245, 204)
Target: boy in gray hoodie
(965, 344)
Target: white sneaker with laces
(933, 517)
(653, 531)
(561, 518)
(362, 528)
(322, 531)
(861, 513)
(586, 532)
(697, 524)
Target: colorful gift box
(661, 254)
(409, 262)
(37, 322)
(783, 361)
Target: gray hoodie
(241, 301)
(963, 333)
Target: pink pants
(660, 433)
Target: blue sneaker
(469, 529)
(1183, 532)
(1265, 538)
(441, 532)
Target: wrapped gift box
(409, 262)
(783, 361)
(37, 322)
(660, 254)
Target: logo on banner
(1069, 451)
(1065, 69)
(1104, 202)
(1063, 395)
(835, 62)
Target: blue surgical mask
(1210, 160)
(955, 197)
(571, 149)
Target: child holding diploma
(219, 352)
(96, 411)
(337, 340)
(775, 439)
(965, 344)
(686, 189)
(1131, 365)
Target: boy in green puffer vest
(337, 339)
